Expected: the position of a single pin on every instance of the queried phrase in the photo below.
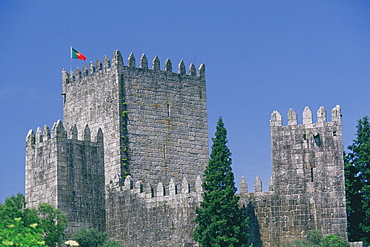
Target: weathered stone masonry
(154, 215)
(131, 153)
(67, 173)
(307, 184)
(154, 121)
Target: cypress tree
(220, 220)
(357, 175)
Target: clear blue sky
(260, 56)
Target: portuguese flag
(77, 55)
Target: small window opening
(311, 174)
(317, 139)
(304, 136)
(64, 97)
(168, 110)
(334, 133)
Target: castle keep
(130, 153)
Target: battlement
(58, 131)
(131, 64)
(163, 214)
(276, 119)
(160, 189)
(243, 186)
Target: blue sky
(260, 56)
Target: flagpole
(70, 57)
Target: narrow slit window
(311, 174)
(168, 110)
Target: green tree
(94, 238)
(334, 241)
(50, 220)
(316, 239)
(16, 233)
(53, 222)
(357, 175)
(220, 220)
(15, 207)
(90, 238)
(111, 243)
(19, 226)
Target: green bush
(316, 239)
(94, 238)
(31, 223)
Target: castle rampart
(154, 215)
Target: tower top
(117, 60)
(276, 118)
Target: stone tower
(307, 185)
(154, 121)
(68, 174)
(308, 161)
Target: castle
(130, 156)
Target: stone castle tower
(133, 146)
(306, 190)
(125, 125)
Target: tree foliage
(94, 238)
(53, 222)
(15, 233)
(220, 220)
(316, 239)
(44, 221)
(15, 207)
(357, 175)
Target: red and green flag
(77, 55)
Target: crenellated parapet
(276, 118)
(58, 131)
(257, 186)
(161, 213)
(131, 64)
(166, 190)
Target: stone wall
(149, 216)
(41, 168)
(93, 96)
(68, 174)
(167, 128)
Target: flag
(77, 55)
